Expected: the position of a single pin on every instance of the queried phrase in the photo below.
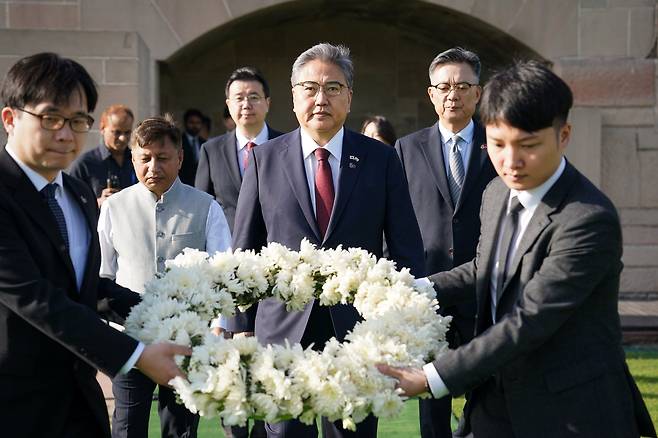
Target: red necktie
(324, 190)
(245, 162)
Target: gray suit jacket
(450, 232)
(555, 349)
(218, 173)
(372, 201)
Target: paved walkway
(639, 321)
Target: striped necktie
(456, 174)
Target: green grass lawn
(642, 361)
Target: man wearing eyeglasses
(223, 159)
(329, 185)
(447, 170)
(108, 168)
(52, 339)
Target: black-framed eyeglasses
(253, 99)
(460, 87)
(55, 122)
(311, 89)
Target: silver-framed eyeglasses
(311, 89)
(253, 99)
(55, 122)
(459, 87)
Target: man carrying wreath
(333, 187)
(546, 360)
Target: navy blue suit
(371, 203)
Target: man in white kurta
(139, 229)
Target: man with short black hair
(192, 141)
(223, 159)
(447, 171)
(547, 359)
(108, 168)
(52, 340)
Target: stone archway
(392, 44)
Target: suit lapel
(351, 161)
(433, 152)
(292, 162)
(475, 163)
(230, 155)
(541, 218)
(27, 197)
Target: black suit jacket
(187, 170)
(372, 201)
(51, 337)
(218, 173)
(450, 233)
(555, 350)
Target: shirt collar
(37, 180)
(261, 138)
(191, 138)
(532, 197)
(334, 146)
(170, 191)
(466, 134)
(105, 152)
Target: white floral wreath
(238, 378)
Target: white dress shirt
(241, 144)
(78, 232)
(335, 148)
(464, 147)
(530, 199)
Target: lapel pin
(83, 199)
(483, 146)
(353, 158)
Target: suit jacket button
(455, 220)
(161, 259)
(160, 234)
(63, 249)
(451, 252)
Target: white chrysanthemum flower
(238, 379)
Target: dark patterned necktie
(509, 230)
(324, 190)
(48, 192)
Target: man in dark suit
(288, 195)
(223, 159)
(51, 337)
(192, 141)
(547, 359)
(108, 168)
(447, 171)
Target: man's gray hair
(337, 55)
(457, 55)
